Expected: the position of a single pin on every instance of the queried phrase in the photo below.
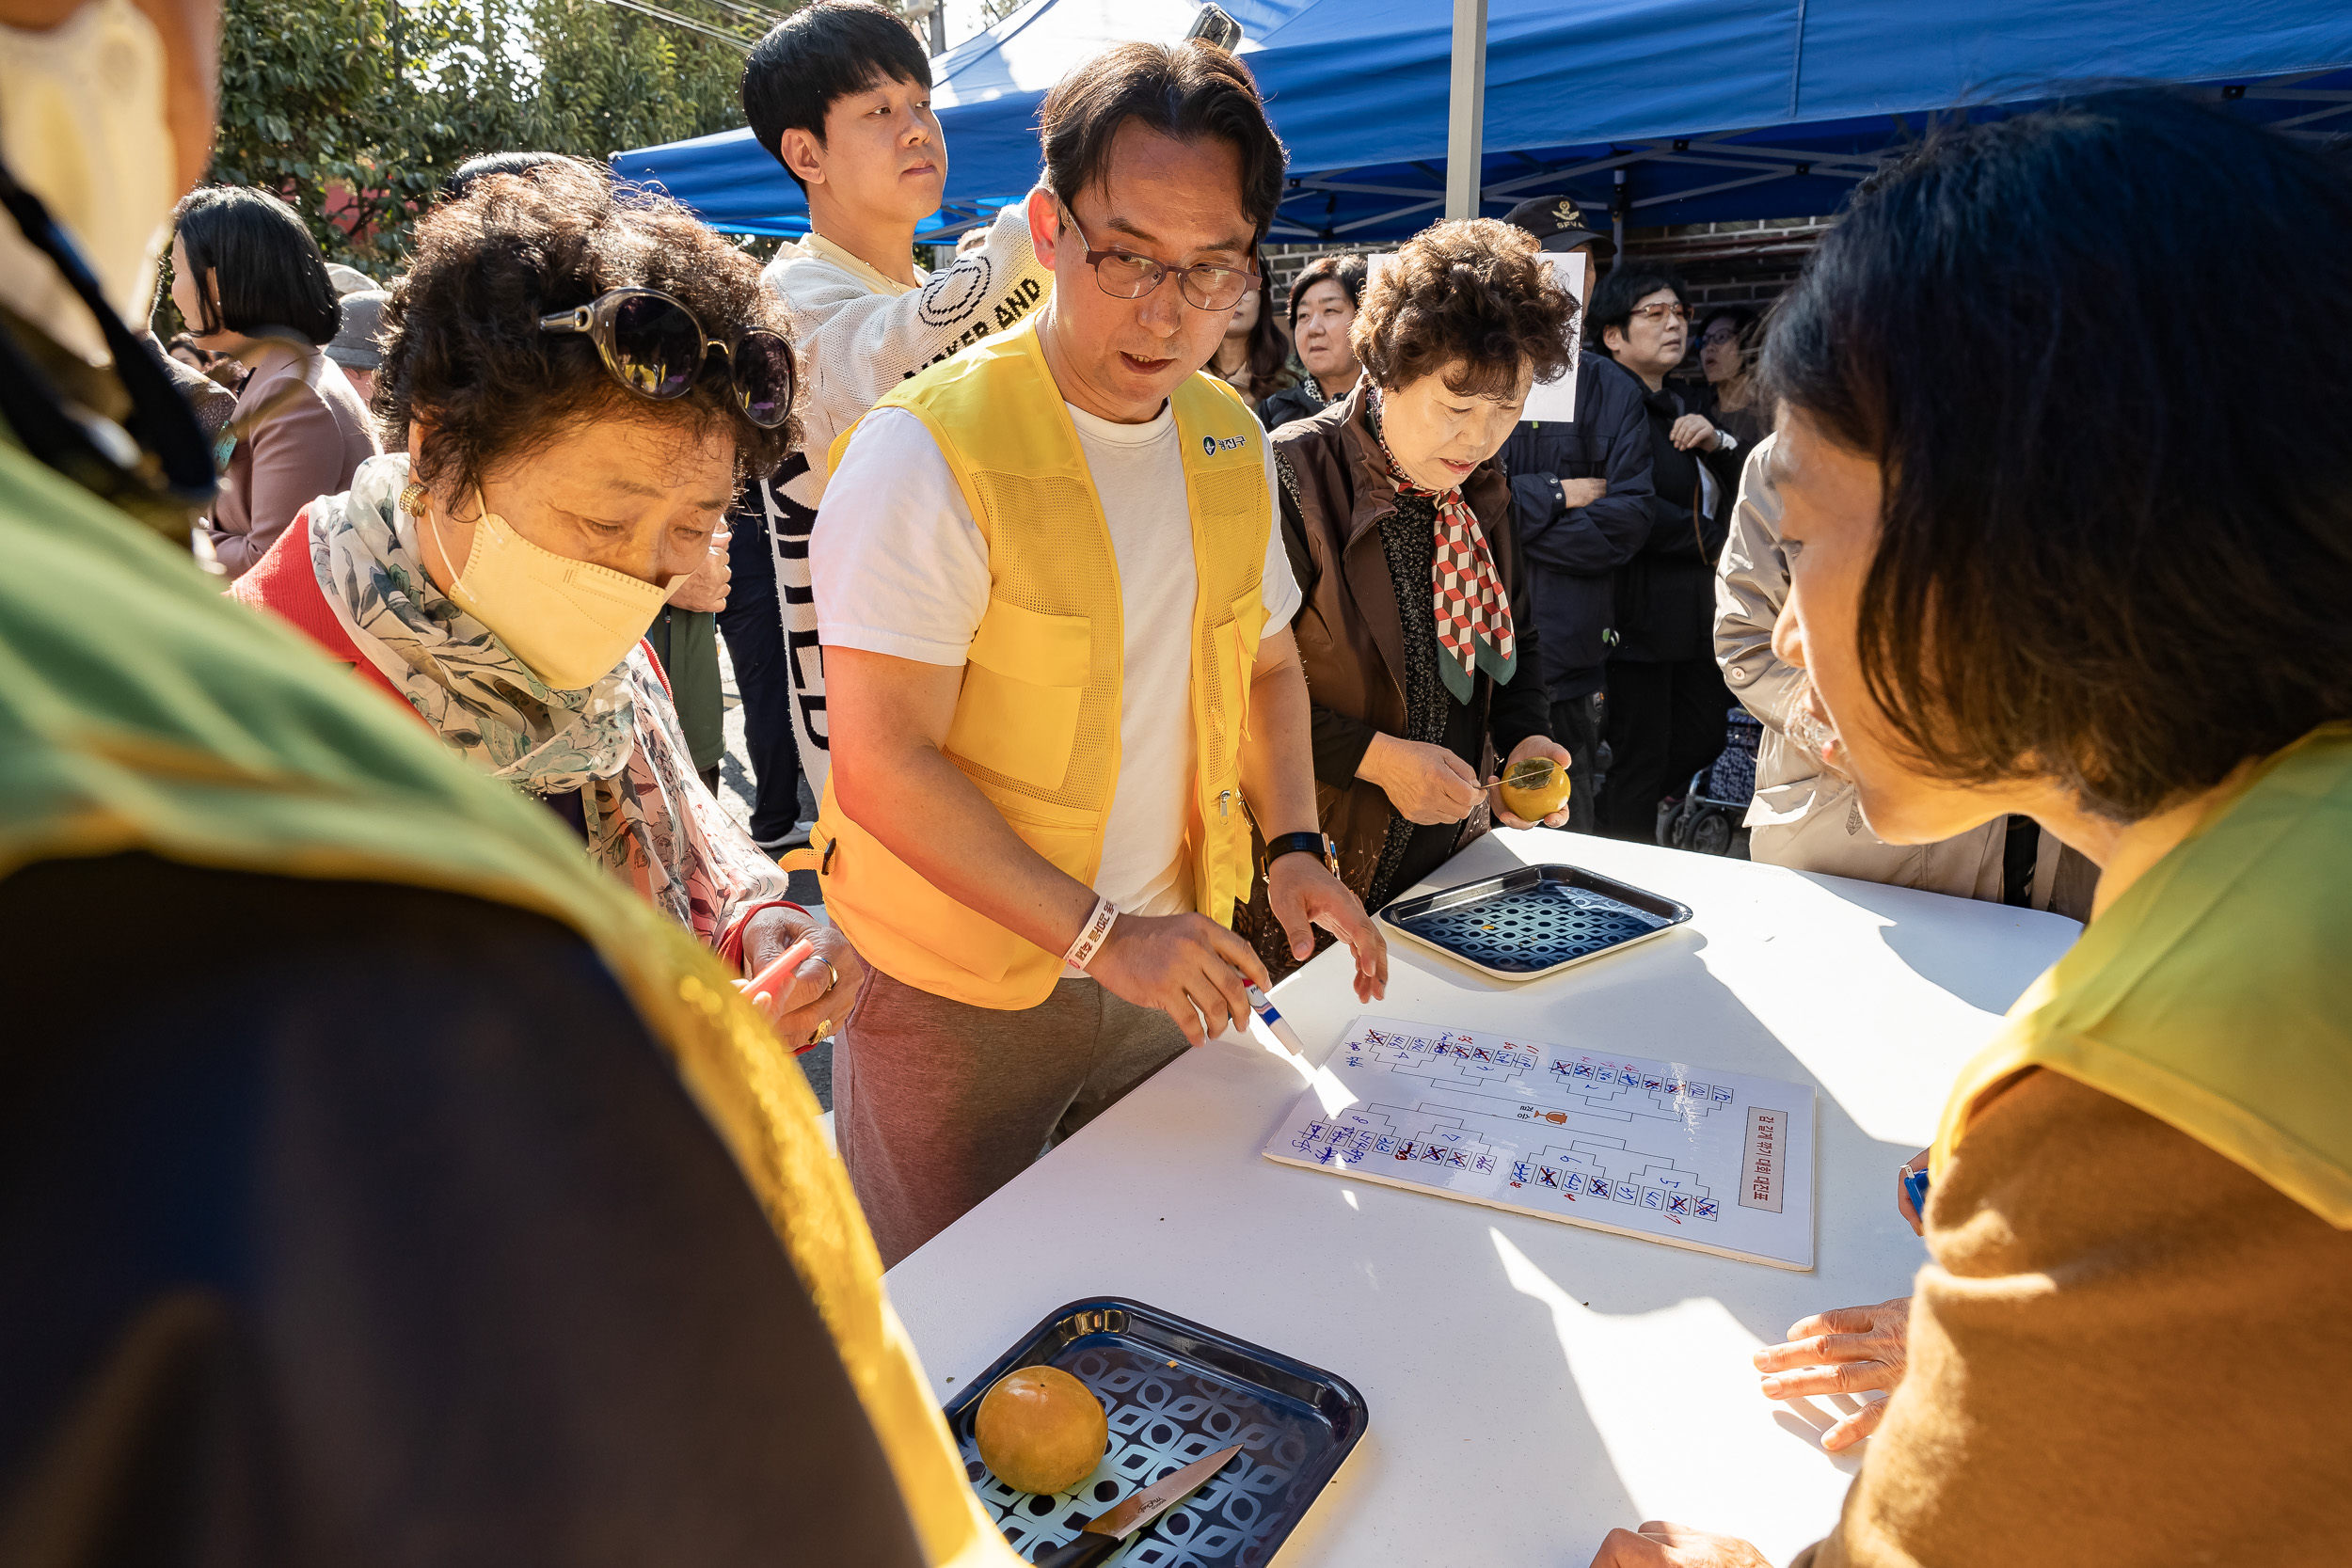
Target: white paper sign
(1555, 400)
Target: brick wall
(1732, 264)
(1741, 264)
(1282, 264)
(1748, 262)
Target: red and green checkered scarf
(1473, 612)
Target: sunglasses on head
(652, 345)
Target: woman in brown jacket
(1417, 634)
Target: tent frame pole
(1619, 199)
(1466, 110)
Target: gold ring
(834, 973)
(824, 1027)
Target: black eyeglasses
(655, 347)
(1123, 274)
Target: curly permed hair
(1471, 297)
(463, 351)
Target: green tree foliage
(356, 110)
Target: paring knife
(1105, 1534)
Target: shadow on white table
(1531, 1383)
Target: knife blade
(1102, 1535)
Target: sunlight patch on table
(1329, 1089)
(1672, 1394)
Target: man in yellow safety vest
(1055, 612)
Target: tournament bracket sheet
(1691, 1156)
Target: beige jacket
(1806, 819)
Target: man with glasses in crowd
(1667, 700)
(1580, 500)
(1055, 611)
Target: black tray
(1175, 1392)
(1533, 921)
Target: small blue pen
(1916, 1183)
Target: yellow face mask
(571, 621)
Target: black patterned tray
(1175, 1392)
(1535, 920)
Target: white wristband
(1091, 936)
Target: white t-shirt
(900, 568)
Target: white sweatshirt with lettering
(860, 333)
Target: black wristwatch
(1317, 844)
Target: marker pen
(1264, 1006)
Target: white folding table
(1531, 1383)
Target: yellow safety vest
(2214, 994)
(1035, 727)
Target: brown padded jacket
(1336, 489)
(2128, 1350)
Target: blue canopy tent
(1662, 111)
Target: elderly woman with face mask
(1417, 633)
(584, 378)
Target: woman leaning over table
(583, 376)
(2058, 546)
(1415, 632)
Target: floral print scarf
(617, 742)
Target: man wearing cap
(1579, 498)
(355, 348)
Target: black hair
(258, 253)
(1740, 316)
(2109, 554)
(461, 179)
(1346, 271)
(1186, 91)
(1747, 341)
(817, 57)
(1623, 288)
(1268, 358)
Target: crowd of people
(1137, 635)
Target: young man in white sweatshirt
(840, 93)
